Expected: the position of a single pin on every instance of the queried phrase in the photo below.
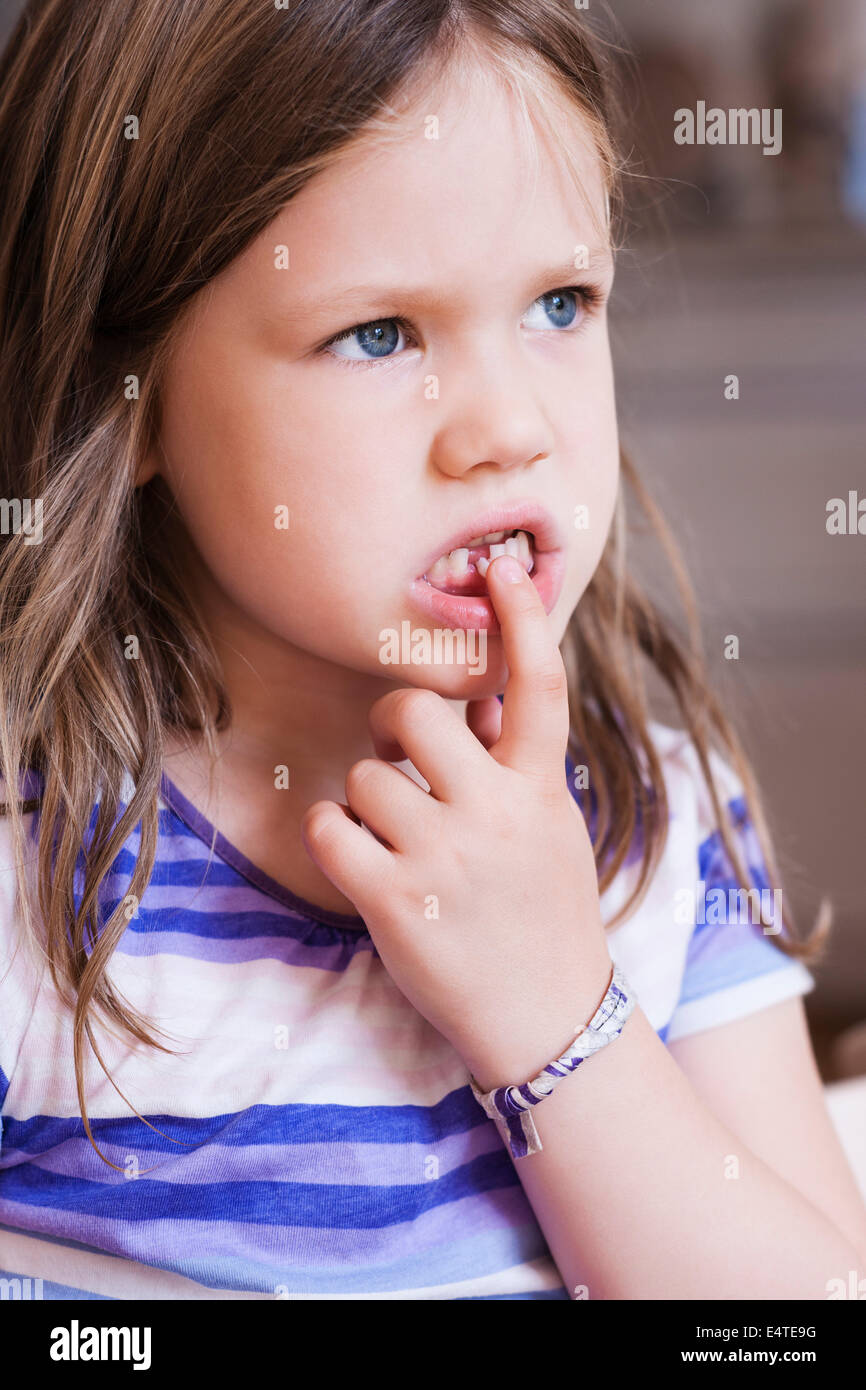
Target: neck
(298, 723)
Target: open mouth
(462, 571)
(452, 589)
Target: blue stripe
(65, 1241)
(288, 948)
(334, 1206)
(456, 1113)
(713, 861)
(245, 925)
(727, 953)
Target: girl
(305, 365)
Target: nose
(496, 421)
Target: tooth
(526, 551)
(456, 563)
(439, 572)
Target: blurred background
(743, 263)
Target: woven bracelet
(511, 1106)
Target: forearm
(642, 1193)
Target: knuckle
(551, 680)
(417, 708)
(316, 823)
(543, 786)
(360, 772)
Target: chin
(458, 682)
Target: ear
(149, 462)
(147, 468)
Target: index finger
(535, 716)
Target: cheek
(245, 457)
(592, 442)
(592, 446)
(257, 444)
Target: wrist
(514, 1055)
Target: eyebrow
(335, 301)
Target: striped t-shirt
(311, 1135)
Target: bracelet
(511, 1105)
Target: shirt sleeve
(732, 966)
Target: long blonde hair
(105, 239)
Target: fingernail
(509, 569)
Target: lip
(476, 612)
(453, 610)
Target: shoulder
(693, 826)
(691, 971)
(684, 778)
(691, 820)
(650, 945)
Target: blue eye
(376, 341)
(560, 305)
(378, 338)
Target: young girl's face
(474, 386)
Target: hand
(483, 900)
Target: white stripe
(352, 1039)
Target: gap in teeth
(456, 563)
